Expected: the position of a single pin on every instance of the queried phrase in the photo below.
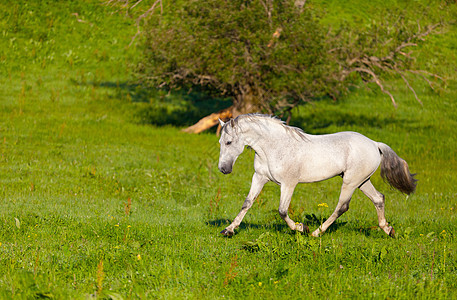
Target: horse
(287, 156)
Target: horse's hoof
(303, 228)
(226, 232)
(392, 233)
(316, 233)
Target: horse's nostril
(225, 170)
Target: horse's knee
(247, 204)
(282, 213)
(343, 208)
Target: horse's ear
(232, 122)
(221, 122)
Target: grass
(95, 203)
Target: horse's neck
(265, 138)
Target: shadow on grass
(315, 122)
(310, 220)
(313, 222)
(318, 122)
(185, 107)
(373, 231)
(163, 106)
(246, 225)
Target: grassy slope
(71, 156)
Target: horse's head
(231, 146)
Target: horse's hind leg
(378, 200)
(341, 207)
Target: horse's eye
(228, 143)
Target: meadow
(99, 199)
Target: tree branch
(410, 87)
(378, 82)
(145, 15)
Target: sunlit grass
(95, 203)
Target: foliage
(273, 55)
(94, 204)
(229, 48)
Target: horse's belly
(305, 170)
(317, 172)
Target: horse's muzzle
(225, 169)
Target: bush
(273, 55)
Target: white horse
(288, 156)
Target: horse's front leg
(258, 181)
(286, 197)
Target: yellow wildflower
(322, 205)
(138, 256)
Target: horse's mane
(256, 118)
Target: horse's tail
(395, 170)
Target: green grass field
(96, 202)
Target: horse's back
(339, 153)
(351, 145)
